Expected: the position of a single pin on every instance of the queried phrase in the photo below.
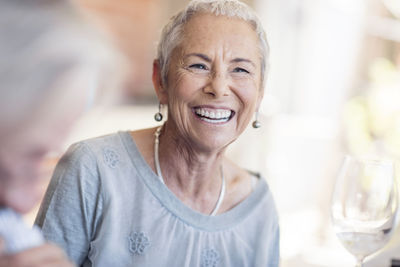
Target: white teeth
(214, 120)
(217, 115)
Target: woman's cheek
(22, 198)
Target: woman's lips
(214, 115)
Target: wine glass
(364, 205)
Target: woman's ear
(158, 83)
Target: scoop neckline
(172, 203)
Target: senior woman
(50, 62)
(168, 196)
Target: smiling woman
(172, 185)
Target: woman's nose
(218, 85)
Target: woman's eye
(240, 70)
(198, 66)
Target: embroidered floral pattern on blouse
(111, 157)
(138, 242)
(209, 258)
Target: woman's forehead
(207, 33)
(204, 27)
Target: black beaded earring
(256, 123)
(158, 116)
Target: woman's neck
(193, 174)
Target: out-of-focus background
(333, 88)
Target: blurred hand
(47, 255)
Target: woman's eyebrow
(202, 56)
(239, 59)
(206, 58)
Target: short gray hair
(41, 40)
(172, 33)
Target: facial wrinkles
(222, 43)
(219, 78)
(182, 78)
(226, 53)
(221, 68)
(177, 107)
(241, 84)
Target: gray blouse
(106, 207)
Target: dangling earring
(256, 123)
(158, 116)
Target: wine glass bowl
(364, 205)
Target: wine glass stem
(359, 263)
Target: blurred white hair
(41, 40)
(172, 33)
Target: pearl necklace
(158, 170)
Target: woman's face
(24, 145)
(22, 156)
(214, 81)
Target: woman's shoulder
(112, 139)
(89, 163)
(242, 184)
(99, 144)
(112, 148)
(88, 151)
(238, 184)
(143, 136)
(144, 141)
(237, 177)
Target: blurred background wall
(333, 88)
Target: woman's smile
(213, 115)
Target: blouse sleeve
(72, 204)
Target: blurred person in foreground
(50, 64)
(168, 196)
